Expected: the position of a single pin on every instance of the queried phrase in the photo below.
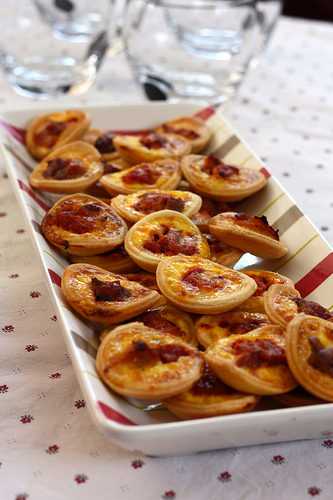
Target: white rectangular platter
(309, 264)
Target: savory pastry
(103, 297)
(80, 224)
(133, 207)
(138, 361)
(208, 209)
(211, 177)
(47, 132)
(297, 397)
(249, 233)
(71, 168)
(210, 397)
(161, 174)
(253, 362)
(167, 319)
(282, 303)
(264, 280)
(151, 147)
(145, 279)
(192, 128)
(210, 329)
(202, 286)
(104, 145)
(116, 261)
(309, 348)
(163, 234)
(221, 253)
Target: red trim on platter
(114, 415)
(55, 278)
(205, 113)
(33, 195)
(266, 173)
(316, 276)
(17, 132)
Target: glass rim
(202, 4)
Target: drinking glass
(193, 48)
(39, 64)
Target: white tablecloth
(49, 448)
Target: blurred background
(315, 9)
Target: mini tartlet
(133, 207)
(71, 168)
(208, 209)
(309, 347)
(211, 177)
(80, 224)
(103, 297)
(115, 261)
(210, 397)
(192, 128)
(210, 329)
(253, 362)
(248, 233)
(283, 303)
(264, 280)
(161, 174)
(170, 320)
(52, 130)
(163, 234)
(202, 286)
(138, 361)
(221, 253)
(151, 147)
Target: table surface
(49, 448)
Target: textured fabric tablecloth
(49, 448)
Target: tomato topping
(254, 353)
(79, 219)
(257, 224)
(109, 291)
(184, 132)
(143, 174)
(214, 166)
(169, 241)
(110, 167)
(154, 141)
(312, 308)
(153, 202)
(209, 384)
(242, 326)
(199, 278)
(167, 353)
(155, 319)
(49, 135)
(61, 169)
(104, 143)
(321, 357)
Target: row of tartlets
(157, 257)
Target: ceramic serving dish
(309, 264)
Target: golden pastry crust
(115, 261)
(161, 174)
(202, 286)
(211, 177)
(171, 321)
(264, 280)
(210, 397)
(71, 168)
(254, 362)
(151, 147)
(208, 209)
(103, 297)
(210, 329)
(248, 233)
(192, 128)
(309, 348)
(221, 253)
(133, 207)
(283, 303)
(162, 234)
(80, 224)
(297, 397)
(138, 361)
(50, 131)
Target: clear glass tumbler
(194, 49)
(40, 64)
